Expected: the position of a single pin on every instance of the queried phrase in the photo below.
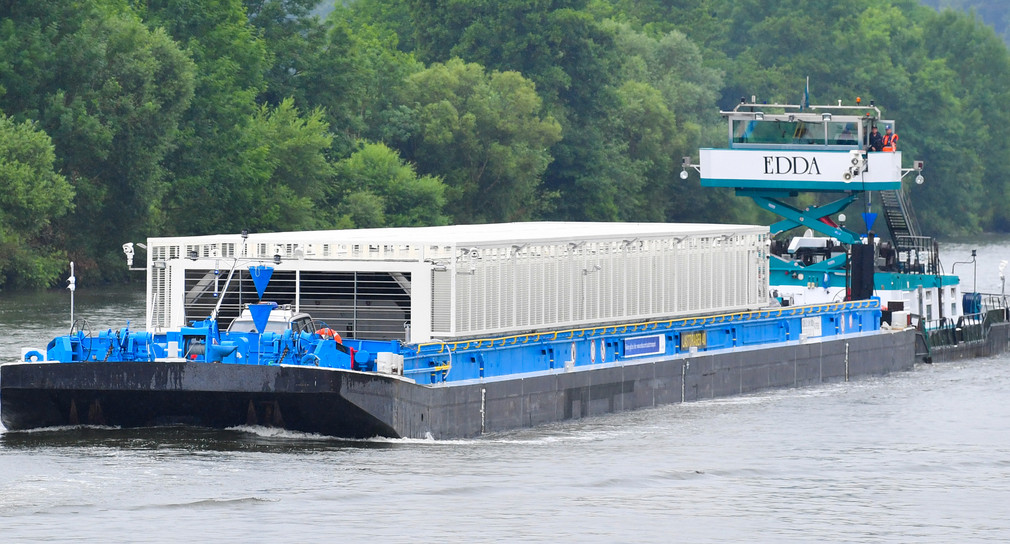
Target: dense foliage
(995, 13)
(122, 119)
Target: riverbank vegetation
(123, 119)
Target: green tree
(110, 93)
(33, 195)
(485, 134)
(571, 59)
(282, 171)
(293, 37)
(375, 188)
(953, 199)
(980, 67)
(668, 96)
(994, 13)
(290, 172)
(390, 15)
(699, 20)
(215, 158)
(358, 79)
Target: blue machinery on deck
(443, 362)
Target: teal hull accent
(814, 186)
(894, 281)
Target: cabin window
(778, 132)
(843, 134)
(796, 132)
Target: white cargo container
(465, 281)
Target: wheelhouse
(760, 131)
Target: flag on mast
(806, 95)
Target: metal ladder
(901, 221)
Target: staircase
(900, 218)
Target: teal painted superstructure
(895, 281)
(776, 152)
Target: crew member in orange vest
(890, 140)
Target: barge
(445, 331)
(457, 331)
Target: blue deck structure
(474, 358)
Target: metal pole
(974, 272)
(72, 280)
(231, 273)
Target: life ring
(34, 356)
(327, 332)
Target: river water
(919, 456)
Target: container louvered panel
(523, 294)
(462, 306)
(507, 296)
(719, 286)
(491, 303)
(729, 261)
(590, 297)
(565, 290)
(476, 292)
(694, 278)
(479, 302)
(160, 306)
(537, 292)
(683, 274)
(648, 302)
(631, 285)
(441, 295)
(667, 279)
(551, 298)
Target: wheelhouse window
(843, 134)
(778, 132)
(796, 132)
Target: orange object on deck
(330, 333)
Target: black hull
(355, 405)
(190, 393)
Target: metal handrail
(906, 208)
(917, 247)
(973, 327)
(666, 324)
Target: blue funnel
(261, 314)
(869, 218)
(261, 277)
